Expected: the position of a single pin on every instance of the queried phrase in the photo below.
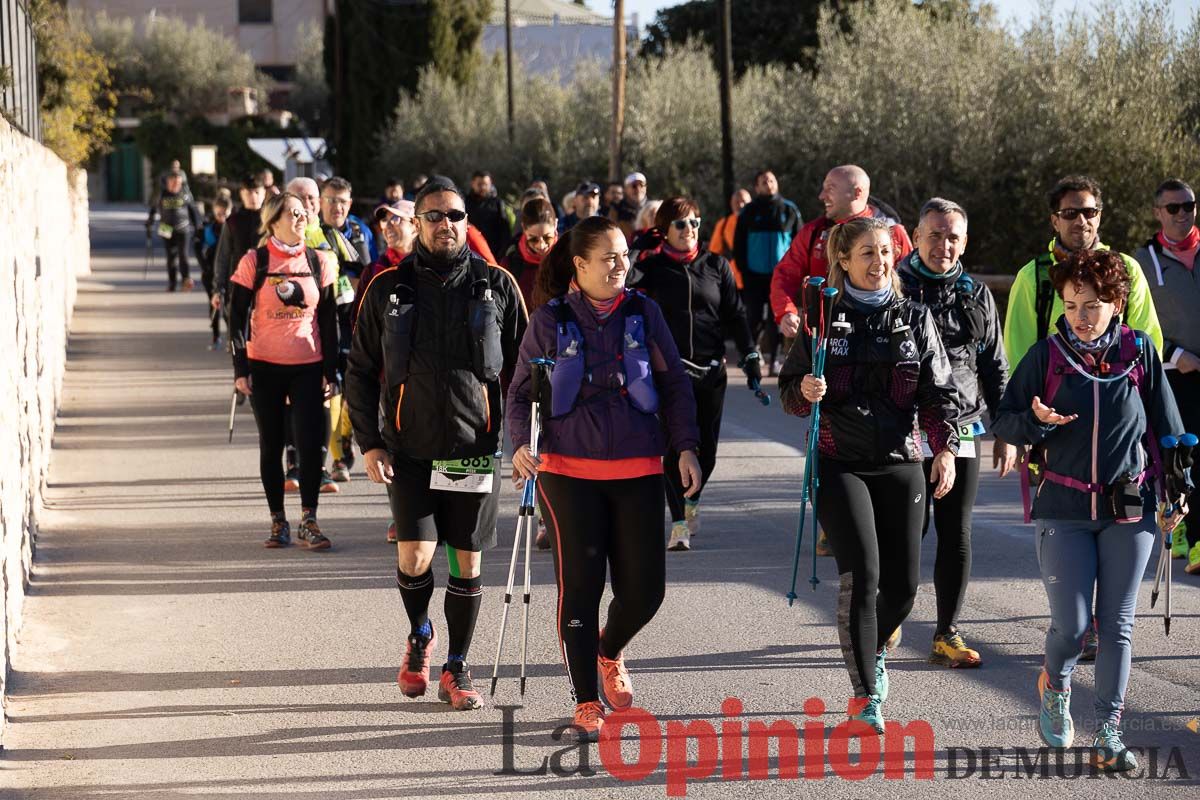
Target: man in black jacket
(178, 218)
(239, 235)
(489, 213)
(439, 329)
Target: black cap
(587, 187)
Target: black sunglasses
(434, 217)
(692, 223)
(1175, 208)
(1091, 212)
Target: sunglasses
(434, 217)
(682, 224)
(1073, 213)
(548, 239)
(1175, 208)
(299, 213)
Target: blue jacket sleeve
(1015, 422)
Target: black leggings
(591, 523)
(177, 250)
(872, 516)
(710, 402)
(756, 293)
(1186, 387)
(271, 385)
(952, 518)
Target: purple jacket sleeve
(534, 344)
(677, 404)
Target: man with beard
(440, 329)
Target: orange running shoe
(414, 670)
(456, 688)
(615, 686)
(589, 719)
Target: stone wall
(43, 249)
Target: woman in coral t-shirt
(283, 327)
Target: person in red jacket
(845, 194)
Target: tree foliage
(174, 66)
(77, 104)
(374, 52)
(309, 98)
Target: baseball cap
(587, 187)
(635, 177)
(401, 208)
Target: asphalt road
(166, 654)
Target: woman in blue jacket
(1090, 400)
(600, 471)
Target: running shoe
(691, 514)
(1054, 723)
(949, 650)
(680, 538)
(881, 676)
(1091, 643)
(456, 688)
(1179, 545)
(589, 719)
(392, 538)
(542, 540)
(188, 284)
(1109, 753)
(281, 534)
(328, 485)
(894, 640)
(615, 686)
(340, 472)
(310, 533)
(869, 711)
(214, 345)
(347, 452)
(823, 548)
(291, 478)
(414, 669)
(1193, 564)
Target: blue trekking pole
(539, 367)
(811, 481)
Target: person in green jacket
(1033, 305)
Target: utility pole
(725, 52)
(618, 95)
(508, 61)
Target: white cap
(635, 177)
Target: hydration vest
(487, 355)
(1130, 365)
(570, 369)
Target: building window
(254, 12)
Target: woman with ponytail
(698, 294)
(600, 470)
(887, 378)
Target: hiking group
(597, 345)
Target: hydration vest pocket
(487, 356)
(903, 385)
(397, 342)
(639, 379)
(567, 377)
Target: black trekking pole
(526, 524)
(1177, 463)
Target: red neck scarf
(527, 254)
(1185, 249)
(681, 256)
(394, 256)
(602, 308)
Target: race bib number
(967, 436)
(165, 230)
(474, 475)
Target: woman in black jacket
(886, 376)
(969, 325)
(700, 301)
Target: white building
(553, 35)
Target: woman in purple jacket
(617, 398)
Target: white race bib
(475, 475)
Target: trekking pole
(232, 413)
(818, 333)
(525, 530)
(828, 294)
(1174, 484)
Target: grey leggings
(1075, 557)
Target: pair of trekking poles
(1177, 464)
(818, 316)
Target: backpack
(1044, 299)
(1129, 365)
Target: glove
(752, 366)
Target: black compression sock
(463, 596)
(416, 593)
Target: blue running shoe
(870, 713)
(1054, 722)
(1109, 753)
(881, 675)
